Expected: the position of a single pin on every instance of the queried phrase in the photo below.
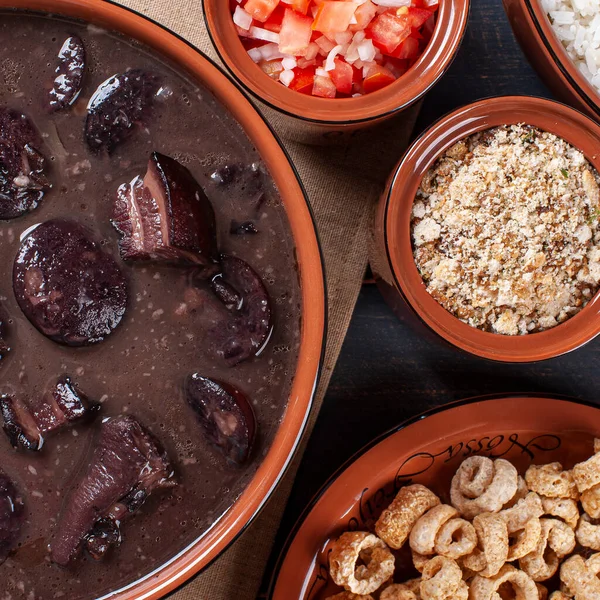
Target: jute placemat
(342, 184)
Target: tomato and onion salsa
(335, 48)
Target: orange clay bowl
(428, 449)
(548, 56)
(391, 249)
(199, 554)
(345, 114)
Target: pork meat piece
(62, 406)
(166, 216)
(127, 464)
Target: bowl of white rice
(562, 41)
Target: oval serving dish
(321, 119)
(391, 254)
(427, 450)
(312, 330)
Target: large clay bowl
(165, 43)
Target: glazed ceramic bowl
(548, 56)
(428, 449)
(391, 254)
(200, 553)
(312, 118)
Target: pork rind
(552, 481)
(425, 531)
(364, 578)
(587, 474)
(542, 591)
(492, 534)
(580, 576)
(563, 508)
(590, 501)
(527, 508)
(486, 588)
(587, 533)
(557, 540)
(410, 504)
(524, 541)
(443, 579)
(483, 485)
(351, 596)
(399, 591)
(521, 492)
(420, 560)
(559, 596)
(456, 538)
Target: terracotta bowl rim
(492, 346)
(170, 576)
(550, 42)
(375, 106)
(390, 432)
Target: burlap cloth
(343, 184)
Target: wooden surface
(388, 372)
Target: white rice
(577, 26)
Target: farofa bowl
(544, 50)
(427, 450)
(391, 252)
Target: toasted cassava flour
(505, 230)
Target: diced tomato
(388, 31)
(364, 14)
(417, 16)
(431, 4)
(342, 76)
(261, 10)
(304, 80)
(408, 49)
(295, 33)
(324, 87)
(300, 5)
(428, 28)
(378, 77)
(334, 16)
(273, 23)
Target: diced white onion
(353, 21)
(359, 36)
(286, 77)
(312, 51)
(325, 44)
(392, 3)
(303, 63)
(255, 54)
(330, 60)
(366, 68)
(270, 52)
(289, 63)
(321, 72)
(366, 51)
(258, 33)
(344, 37)
(241, 18)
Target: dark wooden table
(387, 372)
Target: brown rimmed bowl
(544, 50)
(199, 68)
(391, 253)
(428, 449)
(313, 118)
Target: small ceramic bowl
(189, 59)
(311, 118)
(428, 450)
(548, 56)
(391, 253)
